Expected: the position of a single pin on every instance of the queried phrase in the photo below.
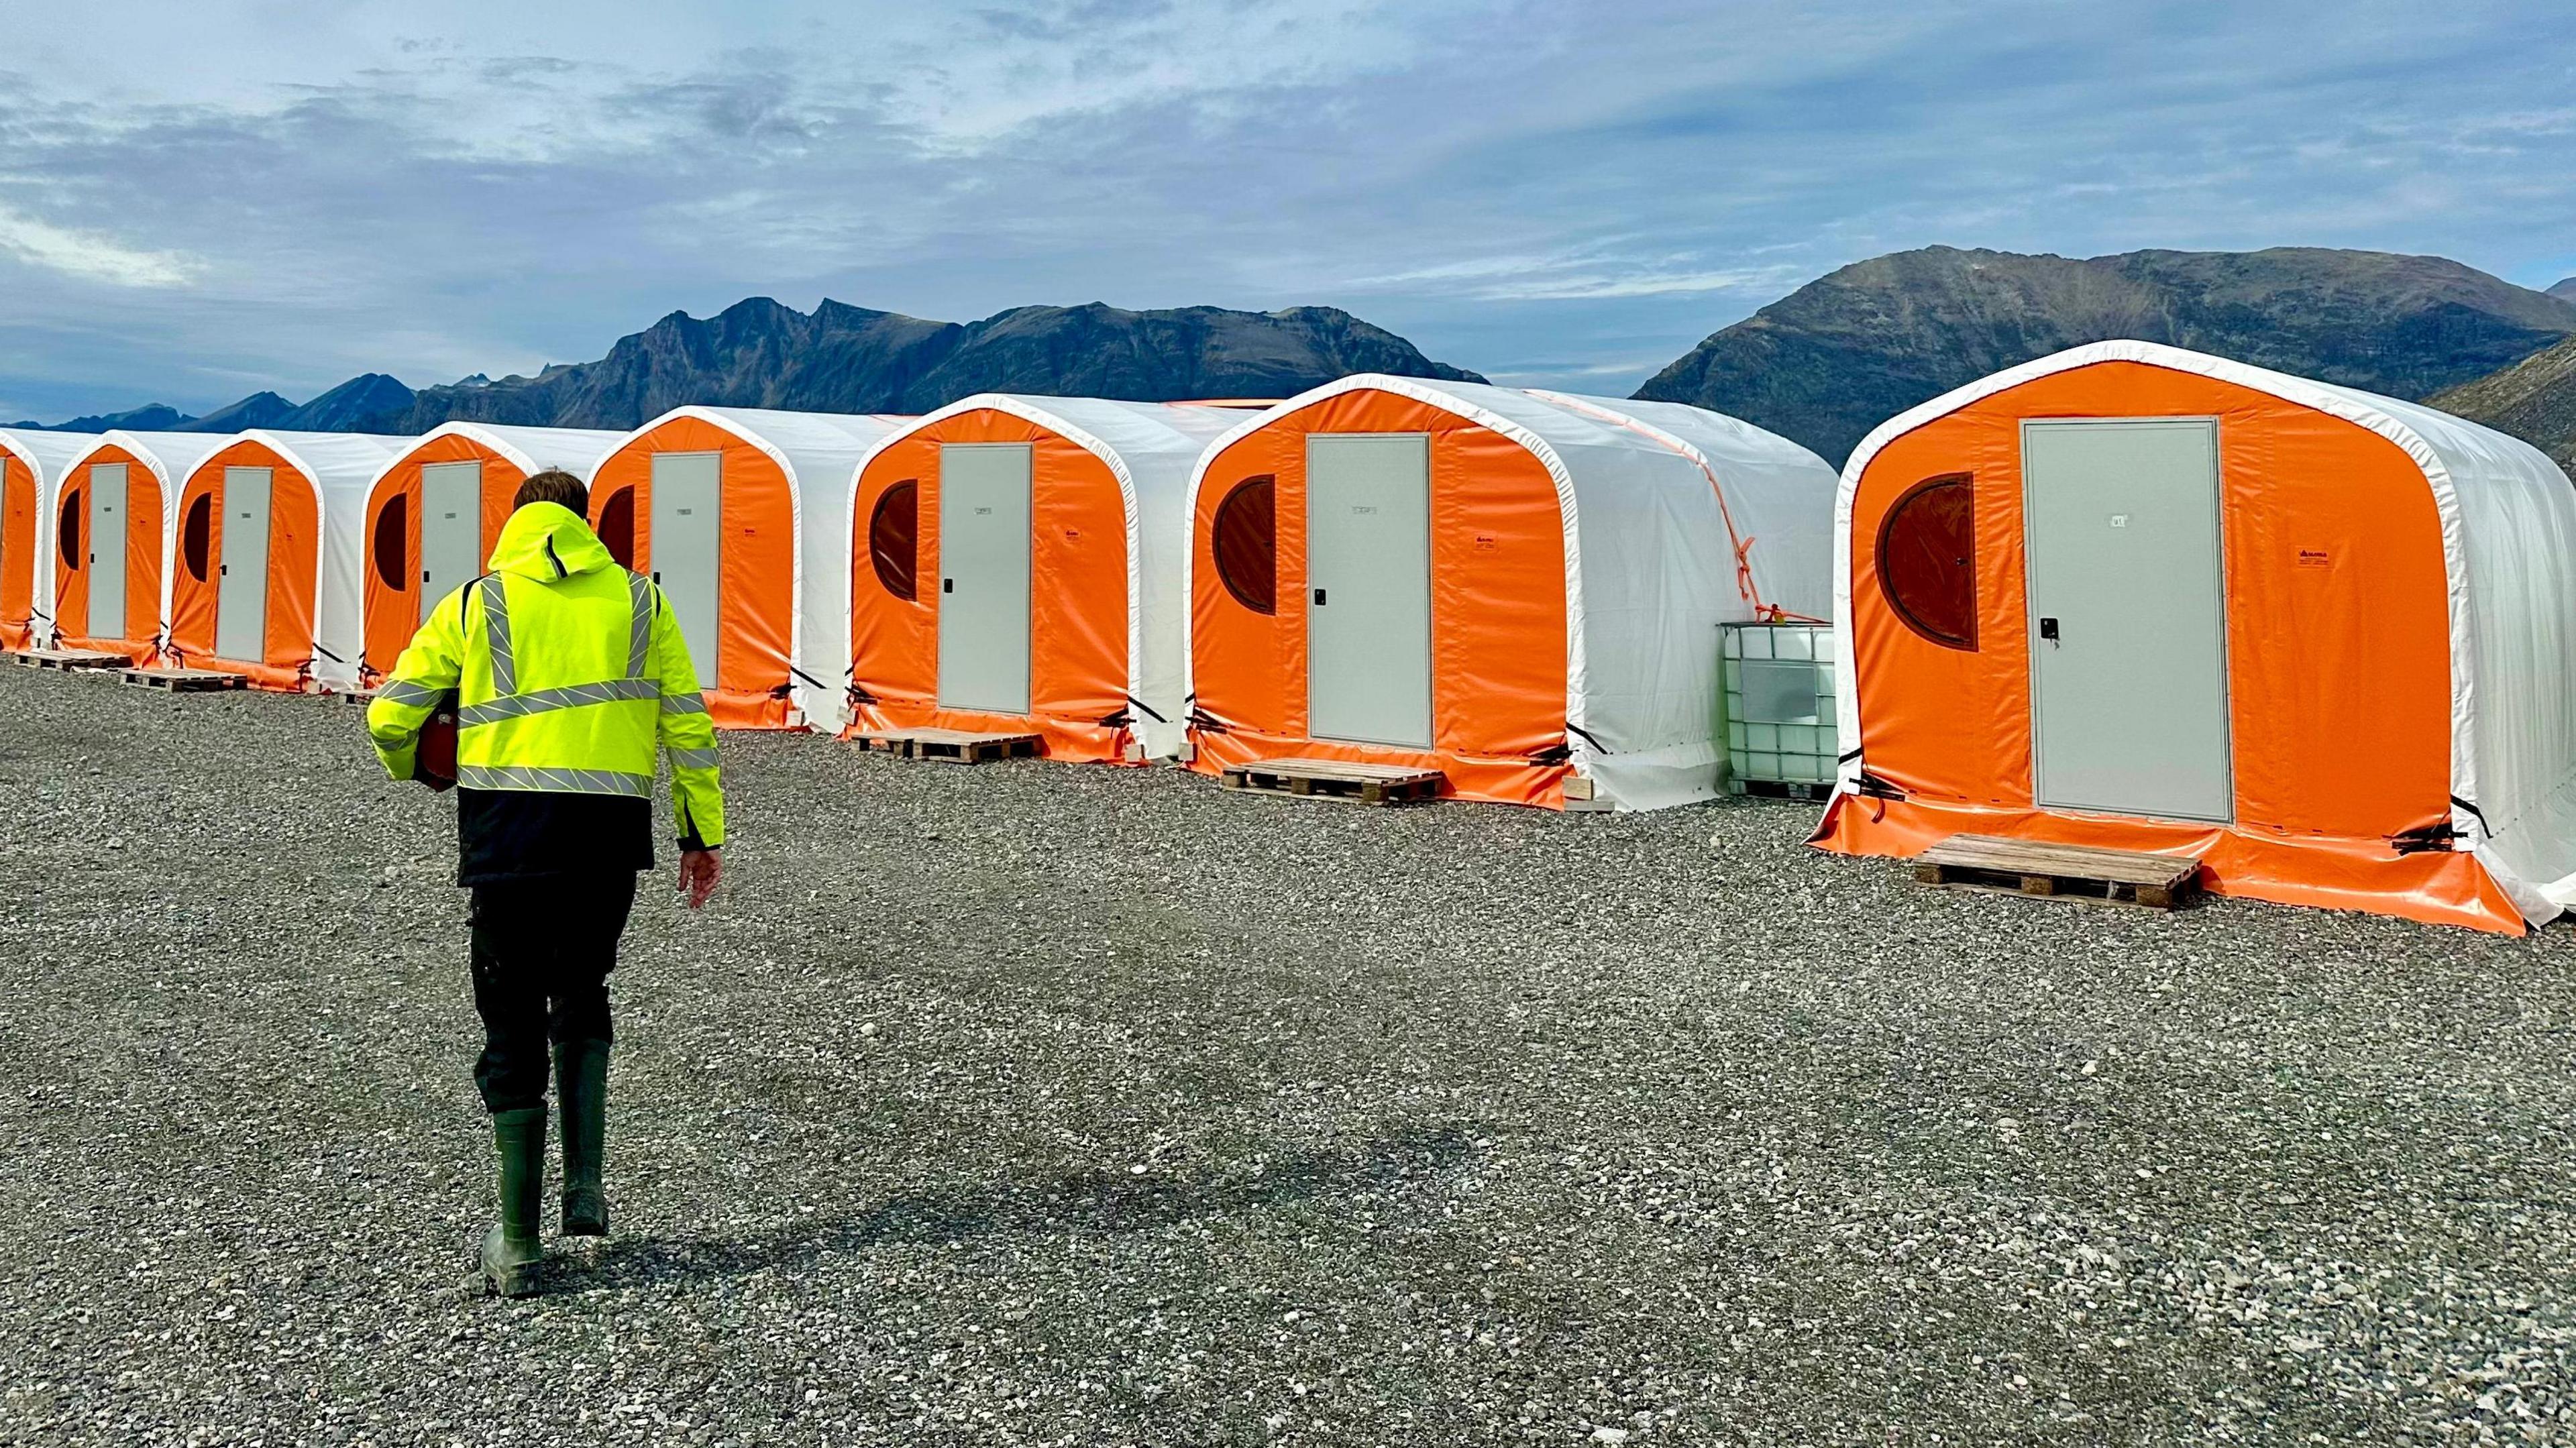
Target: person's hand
(699, 871)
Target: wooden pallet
(1336, 779)
(357, 698)
(1780, 789)
(952, 746)
(184, 681)
(2071, 872)
(71, 659)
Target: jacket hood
(548, 541)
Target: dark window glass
(894, 538)
(1246, 541)
(393, 560)
(617, 526)
(67, 537)
(1927, 560)
(198, 536)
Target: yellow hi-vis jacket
(569, 674)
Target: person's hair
(554, 485)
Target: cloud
(90, 256)
(287, 192)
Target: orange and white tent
(435, 512)
(739, 514)
(31, 463)
(264, 575)
(2135, 597)
(1016, 566)
(1516, 588)
(111, 584)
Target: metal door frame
(428, 599)
(1029, 593)
(124, 530)
(716, 582)
(2030, 610)
(1430, 589)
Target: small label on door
(983, 512)
(2119, 520)
(1363, 510)
(2315, 558)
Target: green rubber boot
(512, 1250)
(581, 1084)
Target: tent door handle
(2048, 629)
(1319, 598)
(948, 585)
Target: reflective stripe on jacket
(569, 674)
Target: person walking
(565, 673)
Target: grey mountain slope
(260, 409)
(2565, 290)
(1846, 352)
(840, 358)
(153, 417)
(2534, 399)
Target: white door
(451, 529)
(2128, 624)
(1368, 588)
(688, 514)
(241, 594)
(107, 550)
(984, 577)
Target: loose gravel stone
(1035, 1104)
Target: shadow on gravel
(1098, 1201)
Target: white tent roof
(1152, 449)
(576, 450)
(815, 450)
(2509, 542)
(1657, 500)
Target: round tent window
(67, 536)
(617, 526)
(1927, 560)
(393, 527)
(894, 538)
(1246, 542)
(197, 537)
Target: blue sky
(199, 201)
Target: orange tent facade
(1565, 565)
(1105, 482)
(2366, 555)
(762, 595)
(395, 586)
(298, 625)
(145, 465)
(31, 463)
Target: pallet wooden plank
(2066, 872)
(68, 659)
(183, 681)
(1986, 852)
(952, 746)
(1361, 783)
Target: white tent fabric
(341, 466)
(47, 456)
(1646, 492)
(576, 450)
(815, 450)
(1151, 448)
(171, 456)
(2509, 541)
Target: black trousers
(543, 948)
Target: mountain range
(1822, 365)
(840, 358)
(1838, 356)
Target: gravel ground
(1032, 1103)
